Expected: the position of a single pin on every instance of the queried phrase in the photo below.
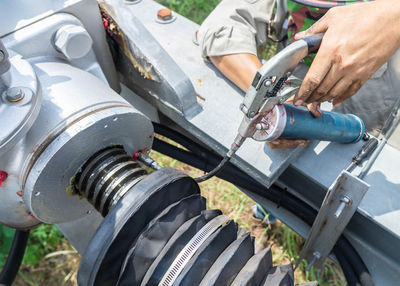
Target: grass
(51, 260)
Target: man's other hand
(358, 40)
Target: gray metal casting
(19, 14)
(20, 100)
(78, 105)
(97, 118)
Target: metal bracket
(339, 205)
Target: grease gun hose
(15, 256)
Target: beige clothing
(234, 27)
(238, 26)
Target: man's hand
(358, 40)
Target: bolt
(252, 114)
(262, 126)
(316, 256)
(73, 41)
(14, 94)
(164, 14)
(345, 201)
(267, 83)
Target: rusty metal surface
(340, 204)
(145, 66)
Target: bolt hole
(37, 194)
(115, 118)
(89, 212)
(105, 126)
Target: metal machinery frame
(157, 68)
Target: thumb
(318, 27)
(315, 109)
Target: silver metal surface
(339, 205)
(20, 14)
(275, 69)
(37, 41)
(190, 249)
(20, 101)
(79, 232)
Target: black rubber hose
(274, 194)
(224, 162)
(348, 271)
(15, 256)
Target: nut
(164, 14)
(73, 41)
(14, 94)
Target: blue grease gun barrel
(289, 121)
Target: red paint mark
(106, 23)
(32, 216)
(3, 177)
(20, 193)
(136, 155)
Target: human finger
(315, 109)
(321, 93)
(340, 89)
(282, 143)
(314, 77)
(351, 90)
(318, 27)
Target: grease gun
(267, 117)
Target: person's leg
(262, 215)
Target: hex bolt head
(73, 41)
(164, 14)
(267, 83)
(14, 94)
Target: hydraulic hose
(15, 256)
(206, 160)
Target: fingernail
(299, 102)
(336, 104)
